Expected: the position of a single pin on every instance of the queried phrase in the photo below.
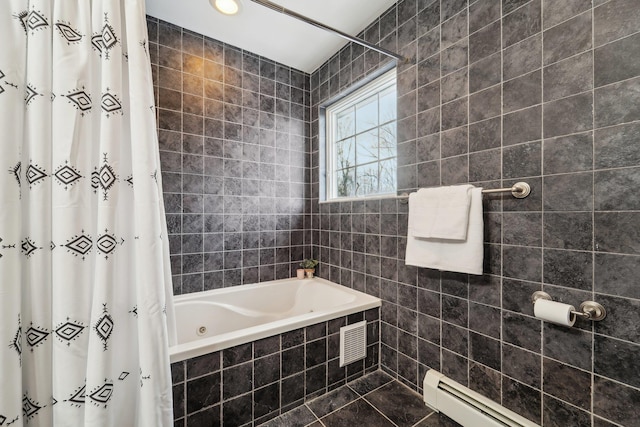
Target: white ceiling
(273, 35)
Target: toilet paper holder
(589, 310)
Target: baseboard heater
(465, 406)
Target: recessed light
(226, 7)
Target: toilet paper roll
(554, 312)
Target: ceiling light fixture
(226, 7)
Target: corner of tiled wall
(233, 133)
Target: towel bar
(520, 190)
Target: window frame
(375, 84)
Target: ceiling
(273, 35)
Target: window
(361, 141)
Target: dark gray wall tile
(485, 350)
(454, 85)
(623, 315)
(617, 61)
(568, 230)
(617, 360)
(522, 23)
(558, 413)
(429, 16)
(599, 422)
(522, 228)
(454, 142)
(454, 114)
(428, 44)
(509, 6)
(568, 115)
(522, 57)
(522, 160)
(517, 295)
(522, 399)
(522, 126)
(555, 12)
(617, 146)
(568, 77)
(203, 392)
(617, 274)
(455, 170)
(455, 366)
(483, 12)
(572, 153)
(429, 96)
(484, 380)
(486, 134)
(485, 73)
(484, 165)
(429, 122)
(454, 29)
(567, 383)
(448, 8)
(580, 198)
(514, 268)
(485, 319)
(484, 105)
(617, 232)
(522, 365)
(558, 338)
(568, 268)
(567, 39)
(617, 103)
(612, 189)
(454, 57)
(615, 19)
(522, 92)
(485, 42)
(615, 401)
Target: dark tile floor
(375, 400)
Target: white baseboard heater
(465, 406)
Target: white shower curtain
(85, 285)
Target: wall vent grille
(353, 343)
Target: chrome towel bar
(519, 190)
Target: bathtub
(214, 320)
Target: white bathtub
(214, 320)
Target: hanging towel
(463, 256)
(441, 212)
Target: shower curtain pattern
(85, 284)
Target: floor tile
(438, 420)
(330, 402)
(358, 413)
(401, 405)
(375, 400)
(370, 382)
(298, 417)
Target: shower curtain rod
(291, 13)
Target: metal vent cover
(353, 343)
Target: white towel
(451, 255)
(441, 212)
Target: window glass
(361, 141)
